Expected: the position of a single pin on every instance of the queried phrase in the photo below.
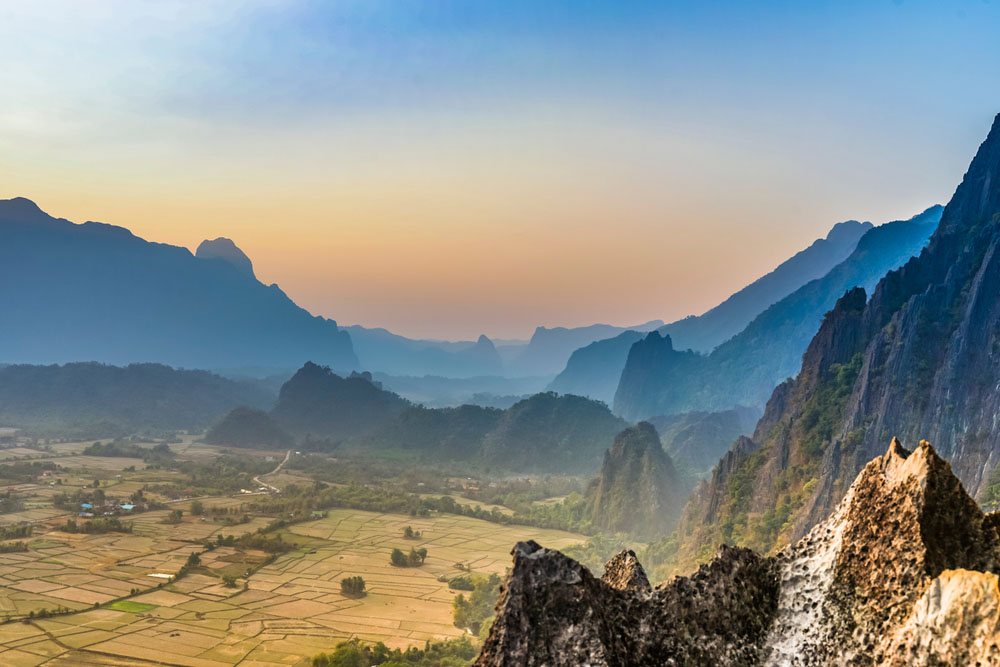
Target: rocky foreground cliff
(903, 573)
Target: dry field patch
(292, 608)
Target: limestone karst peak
(906, 566)
(625, 572)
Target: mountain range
(917, 359)
(325, 411)
(659, 379)
(381, 351)
(705, 332)
(97, 292)
(548, 350)
(596, 369)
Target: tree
(194, 560)
(97, 483)
(229, 580)
(352, 587)
(398, 558)
(197, 508)
(174, 516)
(476, 611)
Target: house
(86, 506)
(128, 508)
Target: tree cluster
(353, 587)
(415, 558)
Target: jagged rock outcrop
(921, 357)
(639, 491)
(903, 573)
(553, 611)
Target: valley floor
(285, 612)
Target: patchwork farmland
(109, 599)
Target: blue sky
(447, 168)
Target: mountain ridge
(98, 291)
(919, 356)
(660, 379)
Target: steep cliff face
(639, 491)
(903, 573)
(920, 357)
(661, 379)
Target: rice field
(286, 612)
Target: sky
(445, 169)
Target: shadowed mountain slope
(97, 292)
(706, 331)
(659, 378)
(96, 400)
(920, 357)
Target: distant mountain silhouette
(704, 332)
(594, 370)
(435, 391)
(382, 351)
(97, 292)
(226, 250)
(91, 400)
(659, 379)
(549, 349)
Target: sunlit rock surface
(902, 573)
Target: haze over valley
(408, 334)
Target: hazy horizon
(461, 169)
